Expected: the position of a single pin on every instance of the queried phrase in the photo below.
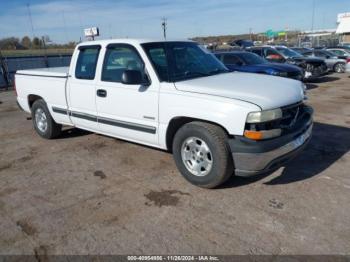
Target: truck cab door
(128, 111)
(81, 94)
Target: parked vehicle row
(242, 61)
(312, 63)
(177, 96)
(313, 67)
(334, 63)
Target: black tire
(53, 129)
(339, 68)
(216, 139)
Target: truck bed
(61, 72)
(47, 83)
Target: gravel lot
(89, 194)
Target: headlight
(283, 74)
(264, 116)
(305, 92)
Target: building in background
(318, 38)
(344, 27)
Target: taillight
(14, 85)
(348, 60)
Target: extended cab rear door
(126, 111)
(81, 93)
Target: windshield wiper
(217, 71)
(187, 73)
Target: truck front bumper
(254, 158)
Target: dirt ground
(89, 194)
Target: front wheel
(43, 123)
(202, 154)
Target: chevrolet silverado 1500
(176, 96)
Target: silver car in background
(333, 62)
(342, 54)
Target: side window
(117, 60)
(86, 64)
(257, 51)
(338, 52)
(307, 54)
(269, 52)
(232, 60)
(320, 54)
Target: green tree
(37, 43)
(26, 42)
(10, 43)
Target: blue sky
(63, 20)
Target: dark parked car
(249, 62)
(300, 49)
(333, 62)
(313, 67)
(243, 43)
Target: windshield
(178, 61)
(288, 52)
(252, 59)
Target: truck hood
(267, 92)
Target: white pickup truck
(176, 96)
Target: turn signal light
(255, 135)
(264, 134)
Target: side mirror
(133, 77)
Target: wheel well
(32, 99)
(176, 123)
(338, 63)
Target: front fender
(229, 113)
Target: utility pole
(313, 20)
(30, 19)
(4, 70)
(313, 15)
(250, 33)
(65, 26)
(164, 25)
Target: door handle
(101, 93)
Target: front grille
(317, 69)
(290, 115)
(294, 117)
(295, 75)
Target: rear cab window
(87, 61)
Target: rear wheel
(339, 68)
(43, 123)
(202, 154)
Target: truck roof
(131, 41)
